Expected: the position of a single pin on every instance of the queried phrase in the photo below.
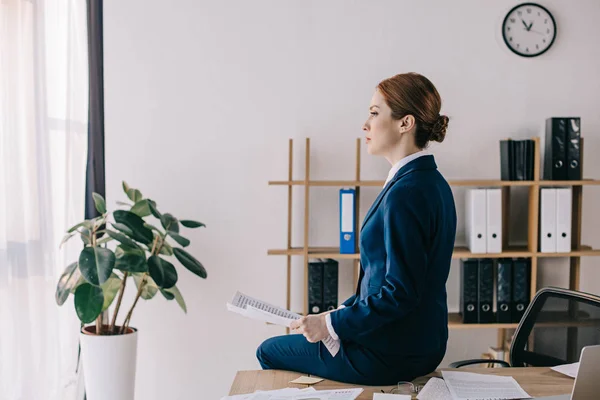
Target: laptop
(587, 384)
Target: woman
(395, 328)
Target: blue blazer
(406, 245)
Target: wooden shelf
(334, 252)
(516, 251)
(554, 320)
(583, 182)
(581, 252)
(451, 182)
(455, 321)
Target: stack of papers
(298, 394)
(471, 386)
(568, 369)
(263, 311)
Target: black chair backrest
(555, 327)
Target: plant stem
(121, 291)
(99, 324)
(137, 297)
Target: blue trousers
(353, 364)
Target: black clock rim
(523, 54)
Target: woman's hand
(313, 327)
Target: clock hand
(524, 24)
(530, 25)
(539, 33)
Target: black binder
(330, 285)
(555, 163)
(504, 291)
(506, 157)
(486, 291)
(573, 149)
(469, 277)
(315, 287)
(519, 159)
(529, 159)
(521, 287)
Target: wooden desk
(535, 381)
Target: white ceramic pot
(109, 364)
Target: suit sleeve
(349, 302)
(406, 224)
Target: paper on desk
(435, 389)
(387, 396)
(306, 380)
(340, 394)
(568, 369)
(265, 312)
(471, 386)
(286, 391)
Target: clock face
(529, 30)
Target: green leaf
(125, 187)
(122, 228)
(166, 249)
(178, 297)
(134, 195)
(122, 238)
(67, 281)
(88, 302)
(110, 289)
(99, 202)
(168, 295)
(96, 264)
(104, 240)
(154, 210)
(190, 262)
(150, 288)
(179, 239)
(142, 208)
(130, 259)
(135, 225)
(86, 234)
(152, 227)
(66, 238)
(162, 271)
(122, 203)
(169, 222)
(79, 282)
(191, 224)
(87, 223)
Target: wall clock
(529, 29)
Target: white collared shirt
(395, 168)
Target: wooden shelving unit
(528, 251)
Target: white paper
(278, 391)
(388, 396)
(265, 312)
(341, 394)
(568, 369)
(435, 389)
(471, 386)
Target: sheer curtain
(43, 144)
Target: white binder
(475, 220)
(564, 198)
(548, 220)
(494, 220)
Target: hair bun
(438, 130)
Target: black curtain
(95, 178)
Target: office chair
(555, 327)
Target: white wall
(201, 98)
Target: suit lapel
(423, 162)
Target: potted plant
(141, 252)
